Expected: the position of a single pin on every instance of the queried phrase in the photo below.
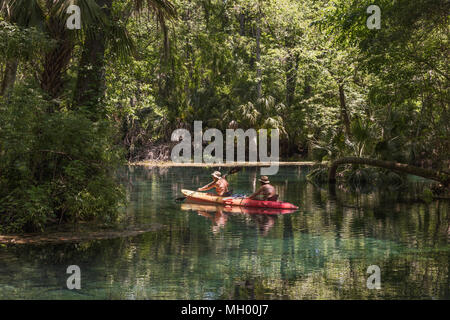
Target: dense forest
(76, 104)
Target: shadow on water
(321, 251)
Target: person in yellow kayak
(219, 183)
(267, 191)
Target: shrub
(54, 166)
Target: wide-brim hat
(217, 174)
(264, 179)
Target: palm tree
(23, 18)
(50, 17)
(98, 27)
(90, 85)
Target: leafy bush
(22, 43)
(54, 167)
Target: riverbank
(231, 164)
(80, 236)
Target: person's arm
(209, 186)
(256, 193)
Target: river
(321, 251)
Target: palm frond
(25, 13)
(163, 7)
(120, 41)
(164, 10)
(92, 14)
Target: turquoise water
(321, 251)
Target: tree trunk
(55, 65)
(90, 87)
(442, 177)
(206, 6)
(258, 55)
(10, 77)
(307, 89)
(90, 81)
(241, 24)
(291, 71)
(344, 111)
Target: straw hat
(217, 174)
(264, 179)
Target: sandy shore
(80, 236)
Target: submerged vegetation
(76, 103)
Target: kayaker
(219, 183)
(267, 191)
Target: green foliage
(24, 43)
(310, 68)
(427, 195)
(359, 177)
(408, 67)
(54, 166)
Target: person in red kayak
(267, 191)
(219, 183)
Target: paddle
(231, 171)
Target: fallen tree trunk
(442, 177)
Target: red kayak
(230, 201)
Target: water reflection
(321, 251)
(264, 218)
(214, 213)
